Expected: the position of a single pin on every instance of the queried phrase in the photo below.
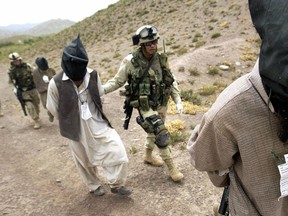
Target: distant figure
(150, 85)
(74, 97)
(41, 76)
(242, 141)
(20, 75)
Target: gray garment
(238, 134)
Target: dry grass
(184, 26)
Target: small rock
(224, 67)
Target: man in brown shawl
(241, 141)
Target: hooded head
(74, 60)
(270, 20)
(42, 63)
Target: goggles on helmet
(148, 32)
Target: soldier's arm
(120, 78)
(175, 93)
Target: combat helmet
(145, 34)
(14, 56)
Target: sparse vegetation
(215, 35)
(213, 71)
(200, 43)
(207, 90)
(194, 71)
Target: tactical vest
(69, 117)
(22, 77)
(155, 88)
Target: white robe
(99, 144)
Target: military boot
(174, 173)
(37, 124)
(150, 159)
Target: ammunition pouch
(134, 103)
(144, 102)
(165, 94)
(154, 124)
(168, 78)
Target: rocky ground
(38, 176)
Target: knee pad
(162, 140)
(154, 124)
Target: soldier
(150, 84)
(41, 76)
(20, 75)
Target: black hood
(75, 60)
(42, 63)
(270, 19)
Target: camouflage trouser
(32, 102)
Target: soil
(38, 175)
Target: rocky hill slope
(40, 29)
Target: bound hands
(45, 79)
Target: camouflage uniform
(150, 98)
(21, 77)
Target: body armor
(155, 88)
(22, 77)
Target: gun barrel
(223, 208)
(21, 100)
(128, 109)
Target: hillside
(183, 25)
(32, 30)
(38, 176)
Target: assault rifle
(21, 100)
(128, 109)
(223, 208)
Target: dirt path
(38, 176)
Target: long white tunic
(102, 144)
